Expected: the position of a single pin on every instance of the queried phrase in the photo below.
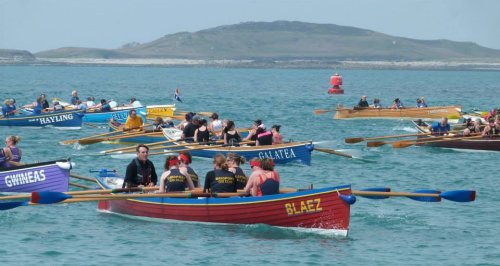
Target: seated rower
(397, 104)
(103, 106)
(133, 121)
(440, 128)
(5, 156)
(134, 103)
(12, 150)
(472, 127)
(277, 138)
(215, 125)
(376, 103)
(8, 109)
(160, 124)
(185, 159)
(234, 161)
(493, 127)
(421, 102)
(220, 179)
(201, 134)
(231, 135)
(265, 181)
(174, 178)
(263, 137)
(57, 107)
(363, 103)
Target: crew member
(220, 179)
(174, 178)
(440, 128)
(141, 171)
(133, 121)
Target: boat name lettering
(438, 111)
(305, 206)
(55, 119)
(120, 115)
(279, 154)
(158, 110)
(25, 178)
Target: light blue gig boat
(119, 114)
(72, 118)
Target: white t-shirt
(217, 125)
(136, 104)
(90, 103)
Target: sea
(393, 231)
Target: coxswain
(174, 178)
(140, 171)
(363, 103)
(74, 97)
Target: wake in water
(405, 129)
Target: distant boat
(44, 176)
(71, 118)
(434, 112)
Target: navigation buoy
(335, 82)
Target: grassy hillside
(285, 40)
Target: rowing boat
(299, 152)
(166, 110)
(44, 176)
(435, 112)
(486, 143)
(72, 119)
(317, 208)
(116, 126)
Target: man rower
(133, 121)
(440, 128)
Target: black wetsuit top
(139, 173)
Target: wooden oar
(200, 148)
(404, 144)
(123, 136)
(177, 146)
(198, 113)
(332, 152)
(322, 111)
(79, 185)
(133, 147)
(67, 142)
(83, 178)
(381, 143)
(356, 140)
(454, 195)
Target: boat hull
(137, 139)
(119, 115)
(437, 112)
(485, 143)
(318, 208)
(162, 111)
(55, 119)
(45, 176)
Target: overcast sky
(37, 25)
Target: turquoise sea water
(395, 231)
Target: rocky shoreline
(268, 63)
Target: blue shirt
(437, 127)
(73, 100)
(105, 107)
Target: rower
(363, 103)
(185, 159)
(472, 127)
(440, 128)
(265, 182)
(234, 161)
(220, 179)
(174, 178)
(15, 152)
(493, 127)
(133, 121)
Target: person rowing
(185, 159)
(220, 179)
(363, 103)
(133, 121)
(263, 137)
(215, 125)
(493, 127)
(174, 178)
(397, 104)
(10, 148)
(440, 128)
(190, 129)
(234, 161)
(472, 127)
(263, 182)
(9, 108)
(231, 135)
(37, 106)
(277, 138)
(202, 134)
(252, 134)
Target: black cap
(258, 122)
(214, 116)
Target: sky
(38, 25)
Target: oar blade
(425, 198)
(90, 141)
(48, 197)
(373, 144)
(68, 142)
(376, 189)
(320, 111)
(459, 195)
(353, 140)
(11, 205)
(402, 144)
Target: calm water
(394, 231)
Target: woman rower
(185, 159)
(472, 127)
(234, 161)
(493, 127)
(15, 152)
(174, 178)
(201, 134)
(231, 135)
(265, 182)
(277, 138)
(220, 179)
